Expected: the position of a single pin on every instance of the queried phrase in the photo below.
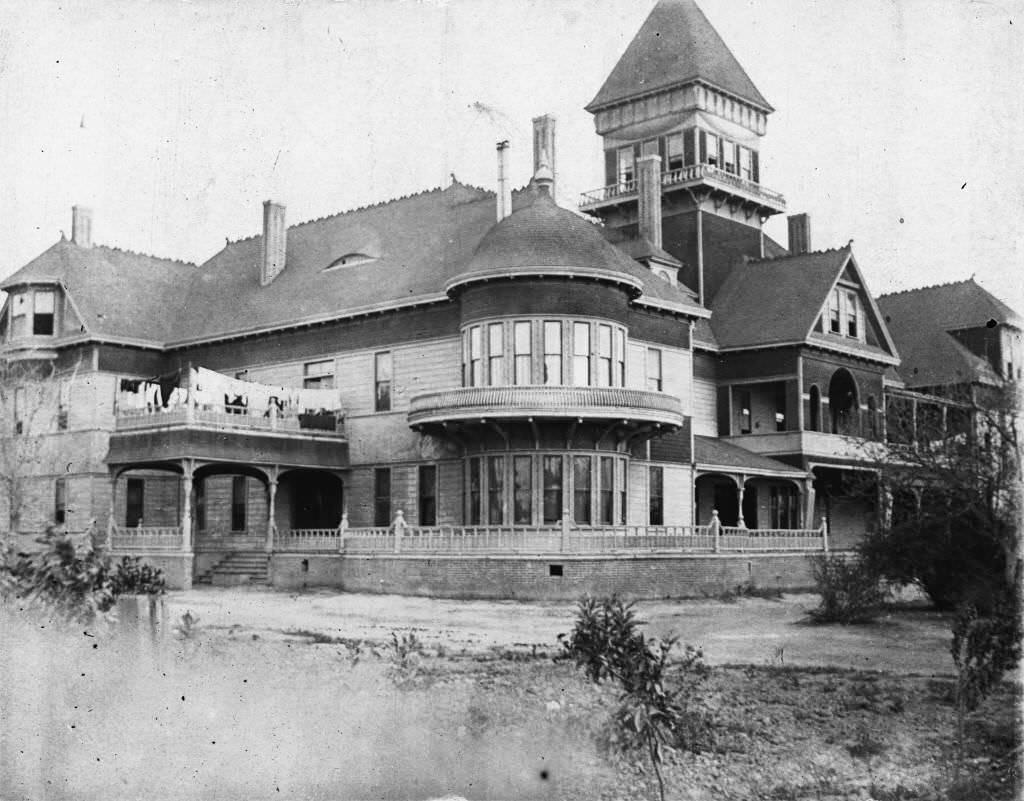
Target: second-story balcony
(715, 178)
(228, 433)
(546, 402)
(813, 444)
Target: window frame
(37, 314)
(426, 495)
(656, 495)
(383, 387)
(654, 378)
(522, 358)
(381, 497)
(134, 487)
(496, 354)
(60, 501)
(239, 504)
(318, 374)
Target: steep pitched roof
(676, 45)
(118, 293)
(920, 320)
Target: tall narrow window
(60, 501)
(746, 413)
(552, 489)
(42, 313)
(620, 482)
(580, 354)
(382, 496)
(495, 355)
(428, 495)
(135, 497)
(713, 152)
(552, 353)
(852, 315)
(238, 503)
(674, 152)
(606, 501)
(496, 490)
(626, 165)
(476, 357)
(815, 403)
(318, 375)
(780, 406)
(581, 489)
(654, 369)
(522, 490)
(746, 165)
(656, 496)
(19, 315)
(729, 157)
(522, 353)
(382, 371)
(475, 515)
(620, 356)
(604, 356)
(835, 324)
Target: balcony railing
(693, 174)
(144, 539)
(543, 401)
(237, 417)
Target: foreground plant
(850, 589)
(651, 717)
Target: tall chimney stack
(799, 233)
(649, 192)
(275, 242)
(81, 226)
(504, 185)
(544, 143)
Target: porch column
(113, 511)
(271, 511)
(186, 506)
(808, 517)
(740, 522)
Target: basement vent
(554, 570)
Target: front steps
(238, 568)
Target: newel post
(716, 530)
(399, 526)
(824, 533)
(342, 530)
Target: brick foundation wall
(529, 577)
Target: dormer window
(42, 313)
(350, 260)
(844, 314)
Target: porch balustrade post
(740, 522)
(399, 526)
(824, 534)
(271, 514)
(342, 531)
(716, 530)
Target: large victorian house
(485, 372)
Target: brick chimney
(544, 145)
(504, 184)
(275, 242)
(81, 226)
(649, 192)
(799, 233)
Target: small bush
(133, 577)
(851, 592)
(604, 637)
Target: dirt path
(747, 630)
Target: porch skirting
(543, 577)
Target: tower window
(746, 164)
(654, 370)
(674, 152)
(523, 353)
(382, 381)
(581, 354)
(713, 150)
(552, 352)
(495, 354)
(627, 165)
(42, 313)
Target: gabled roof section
(675, 46)
(921, 319)
(778, 301)
(119, 294)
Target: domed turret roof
(542, 238)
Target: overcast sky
(899, 123)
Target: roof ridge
(932, 286)
(130, 252)
(366, 207)
(798, 255)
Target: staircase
(238, 568)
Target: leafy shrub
(75, 583)
(851, 591)
(651, 716)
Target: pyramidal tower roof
(676, 45)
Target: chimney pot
(504, 185)
(649, 192)
(81, 226)
(799, 233)
(275, 242)
(544, 146)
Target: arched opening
(308, 499)
(842, 401)
(815, 408)
(717, 492)
(229, 501)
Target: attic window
(350, 260)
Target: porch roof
(713, 454)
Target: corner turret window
(42, 313)
(627, 165)
(674, 152)
(746, 164)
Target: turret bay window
(382, 369)
(550, 352)
(42, 313)
(530, 489)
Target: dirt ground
(740, 631)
